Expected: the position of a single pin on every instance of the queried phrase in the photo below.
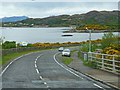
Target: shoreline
(85, 31)
(68, 30)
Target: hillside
(107, 18)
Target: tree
(108, 39)
(8, 45)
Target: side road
(102, 76)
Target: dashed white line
(45, 83)
(64, 67)
(37, 71)
(35, 62)
(48, 87)
(35, 66)
(41, 77)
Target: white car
(66, 52)
(61, 49)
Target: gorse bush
(109, 39)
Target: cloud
(59, 0)
(45, 9)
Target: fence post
(85, 57)
(113, 64)
(90, 56)
(102, 61)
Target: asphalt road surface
(42, 70)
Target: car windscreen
(66, 50)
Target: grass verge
(88, 63)
(66, 60)
(8, 57)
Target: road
(42, 70)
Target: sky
(40, 9)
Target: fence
(106, 62)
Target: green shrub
(8, 45)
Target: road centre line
(45, 83)
(35, 65)
(37, 71)
(64, 67)
(37, 59)
(35, 62)
(41, 78)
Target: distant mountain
(13, 19)
(108, 18)
(92, 17)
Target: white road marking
(36, 63)
(73, 72)
(98, 86)
(48, 87)
(35, 66)
(37, 71)
(65, 68)
(45, 83)
(41, 77)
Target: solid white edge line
(64, 67)
(98, 86)
(73, 72)
(14, 61)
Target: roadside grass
(73, 51)
(6, 58)
(66, 60)
(88, 63)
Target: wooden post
(113, 64)
(102, 61)
(90, 56)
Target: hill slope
(109, 18)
